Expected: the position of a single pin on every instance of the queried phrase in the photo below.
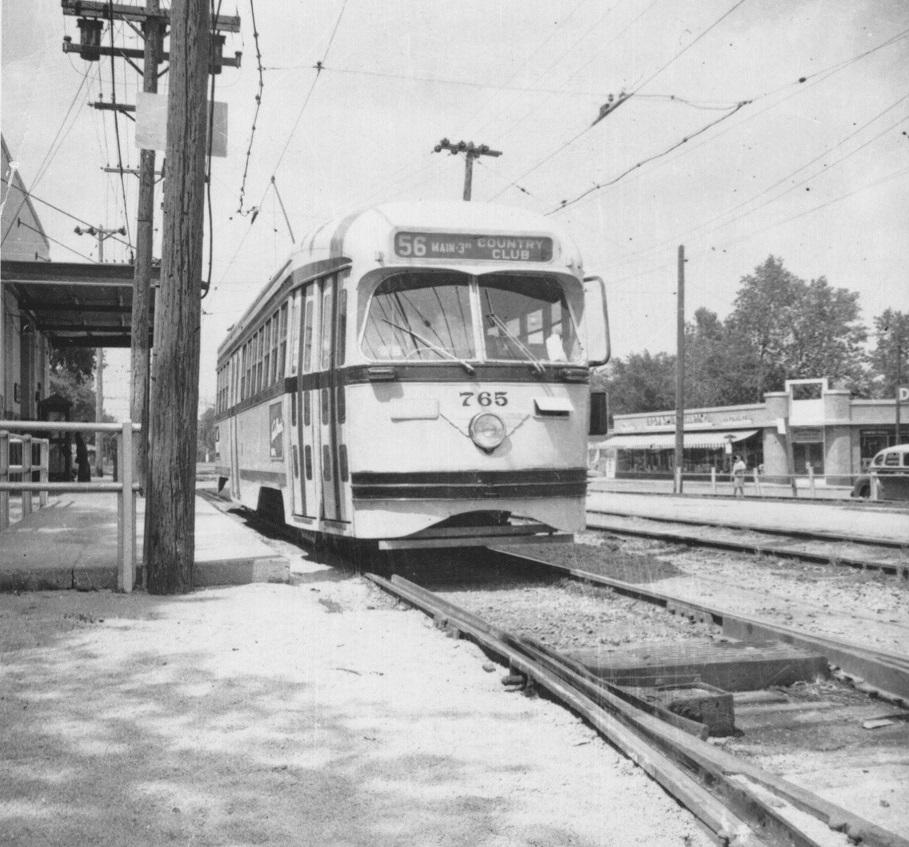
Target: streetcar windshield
(525, 317)
(421, 316)
(426, 316)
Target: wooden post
(170, 502)
(127, 523)
(4, 477)
(790, 458)
(680, 372)
(713, 480)
(44, 469)
(26, 473)
(757, 483)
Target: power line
(37, 199)
(687, 233)
(48, 157)
(259, 93)
(566, 203)
(653, 76)
(113, 94)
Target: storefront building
(24, 352)
(831, 436)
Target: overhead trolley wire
(653, 76)
(318, 69)
(566, 203)
(252, 134)
(823, 74)
(656, 248)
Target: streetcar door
(306, 436)
(331, 508)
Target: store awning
(666, 440)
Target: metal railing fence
(124, 487)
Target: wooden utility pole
(680, 374)
(170, 503)
(471, 152)
(140, 363)
(899, 375)
(92, 16)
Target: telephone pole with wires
(91, 19)
(471, 151)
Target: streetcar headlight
(487, 431)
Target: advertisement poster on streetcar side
(276, 430)
(500, 248)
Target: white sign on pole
(151, 124)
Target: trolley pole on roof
(680, 375)
(170, 503)
(471, 151)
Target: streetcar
(417, 375)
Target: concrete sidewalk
(858, 520)
(72, 543)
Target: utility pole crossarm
(125, 12)
(471, 151)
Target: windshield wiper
(441, 350)
(534, 361)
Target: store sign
(669, 420)
(903, 393)
(497, 248)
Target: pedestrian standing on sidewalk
(738, 477)
(84, 473)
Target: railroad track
(738, 801)
(887, 556)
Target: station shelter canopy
(666, 440)
(75, 303)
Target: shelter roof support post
(126, 526)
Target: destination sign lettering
(498, 248)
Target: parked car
(891, 467)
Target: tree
(78, 362)
(891, 333)
(787, 328)
(71, 372)
(205, 439)
(642, 383)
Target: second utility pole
(142, 293)
(470, 152)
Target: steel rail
(811, 534)
(715, 786)
(883, 674)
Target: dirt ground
(317, 713)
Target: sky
(755, 127)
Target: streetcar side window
(295, 333)
(266, 355)
(275, 346)
(341, 341)
(282, 342)
(307, 333)
(526, 315)
(421, 316)
(326, 331)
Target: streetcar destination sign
(445, 245)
